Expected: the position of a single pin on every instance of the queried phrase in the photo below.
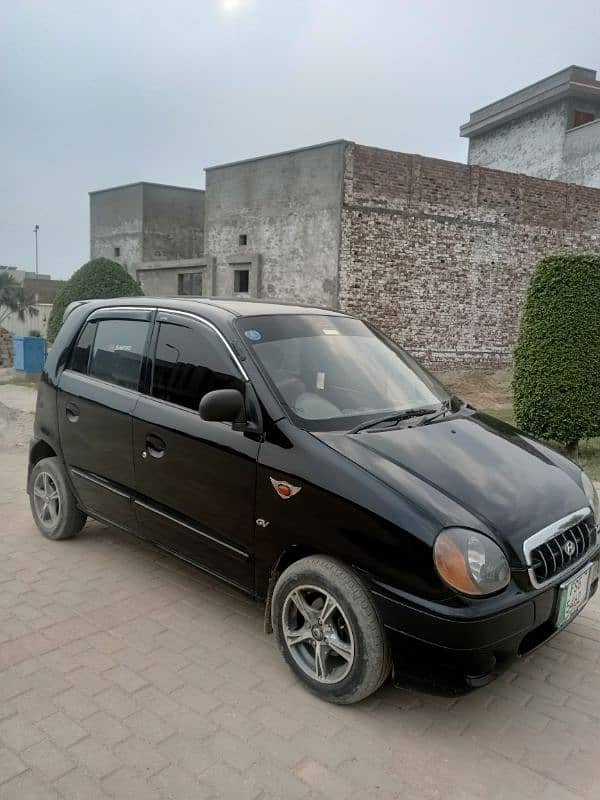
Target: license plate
(574, 593)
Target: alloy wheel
(318, 634)
(46, 499)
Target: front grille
(555, 555)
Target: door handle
(72, 412)
(154, 447)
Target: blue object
(29, 353)
(254, 336)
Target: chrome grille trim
(577, 528)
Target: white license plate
(574, 593)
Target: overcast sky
(95, 94)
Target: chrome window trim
(196, 317)
(549, 532)
(213, 328)
(102, 309)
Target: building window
(243, 239)
(241, 281)
(582, 118)
(189, 283)
(117, 252)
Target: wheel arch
(41, 449)
(289, 556)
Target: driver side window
(188, 363)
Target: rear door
(97, 394)
(195, 480)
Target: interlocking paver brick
(126, 678)
(319, 776)
(165, 679)
(19, 734)
(126, 783)
(195, 698)
(75, 704)
(176, 783)
(89, 681)
(27, 786)
(105, 728)
(31, 705)
(150, 726)
(80, 785)
(10, 765)
(236, 722)
(95, 757)
(116, 702)
(144, 757)
(47, 758)
(63, 730)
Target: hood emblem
(284, 489)
(569, 549)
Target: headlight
(470, 562)
(591, 494)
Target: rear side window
(190, 362)
(80, 357)
(116, 352)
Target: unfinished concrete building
(550, 129)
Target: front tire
(52, 502)
(328, 630)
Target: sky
(97, 94)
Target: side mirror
(223, 405)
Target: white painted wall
(13, 324)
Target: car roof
(234, 306)
(254, 308)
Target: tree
(99, 278)
(556, 382)
(14, 299)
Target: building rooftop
(147, 183)
(570, 82)
(276, 155)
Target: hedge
(99, 278)
(556, 381)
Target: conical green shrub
(556, 381)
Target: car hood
(472, 470)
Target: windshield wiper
(398, 416)
(445, 409)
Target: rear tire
(328, 630)
(52, 502)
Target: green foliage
(99, 278)
(556, 381)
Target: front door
(97, 394)
(195, 480)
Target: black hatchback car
(302, 456)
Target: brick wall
(439, 254)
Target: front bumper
(463, 645)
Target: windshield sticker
(320, 380)
(254, 336)
(330, 332)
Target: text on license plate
(574, 593)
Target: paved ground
(125, 674)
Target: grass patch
(589, 449)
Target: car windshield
(333, 373)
